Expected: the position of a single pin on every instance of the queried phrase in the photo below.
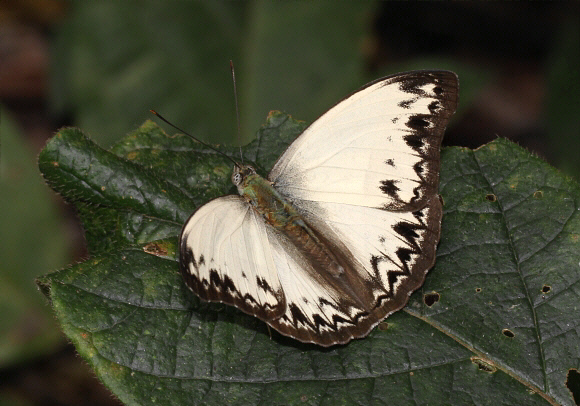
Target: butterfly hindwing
(225, 257)
(390, 254)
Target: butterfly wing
(225, 257)
(365, 176)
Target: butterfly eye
(236, 178)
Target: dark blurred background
(101, 66)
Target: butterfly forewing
(364, 178)
(378, 147)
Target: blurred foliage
(33, 243)
(116, 60)
(563, 103)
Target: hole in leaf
(477, 290)
(508, 333)
(303, 398)
(483, 365)
(546, 289)
(538, 194)
(491, 197)
(431, 298)
(383, 326)
(573, 383)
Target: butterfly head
(240, 173)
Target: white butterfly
(346, 225)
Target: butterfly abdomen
(280, 214)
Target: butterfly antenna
(191, 136)
(237, 109)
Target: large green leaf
(495, 323)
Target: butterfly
(345, 226)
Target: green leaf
(495, 323)
(508, 263)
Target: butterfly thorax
(281, 215)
